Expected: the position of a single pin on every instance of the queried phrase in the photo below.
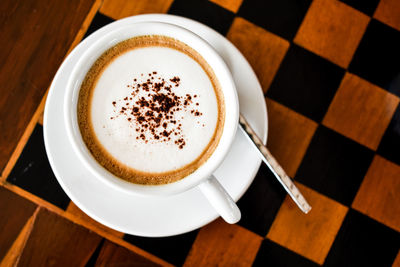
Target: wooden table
(330, 71)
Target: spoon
(274, 166)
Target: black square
(334, 165)
(272, 254)
(306, 83)
(173, 249)
(390, 143)
(281, 17)
(205, 12)
(366, 6)
(33, 173)
(261, 202)
(98, 21)
(362, 241)
(377, 57)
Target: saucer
(155, 216)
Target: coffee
(151, 110)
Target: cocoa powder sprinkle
(152, 105)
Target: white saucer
(155, 217)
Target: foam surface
(119, 136)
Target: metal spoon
(274, 166)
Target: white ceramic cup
(203, 176)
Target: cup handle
(220, 200)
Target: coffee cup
(160, 130)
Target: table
(331, 78)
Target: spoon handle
(274, 166)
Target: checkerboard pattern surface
(330, 73)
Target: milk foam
(118, 135)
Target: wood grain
(14, 213)
(289, 135)
(113, 255)
(85, 24)
(23, 140)
(38, 114)
(120, 242)
(388, 11)
(118, 9)
(222, 244)
(32, 50)
(14, 252)
(264, 50)
(83, 222)
(55, 241)
(378, 196)
(309, 235)
(33, 198)
(361, 111)
(73, 209)
(332, 30)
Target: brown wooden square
(114, 255)
(223, 244)
(232, 5)
(361, 111)
(378, 196)
(14, 213)
(289, 135)
(118, 9)
(73, 209)
(31, 55)
(388, 11)
(332, 30)
(13, 253)
(55, 241)
(264, 50)
(310, 235)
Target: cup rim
(206, 51)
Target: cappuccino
(151, 110)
